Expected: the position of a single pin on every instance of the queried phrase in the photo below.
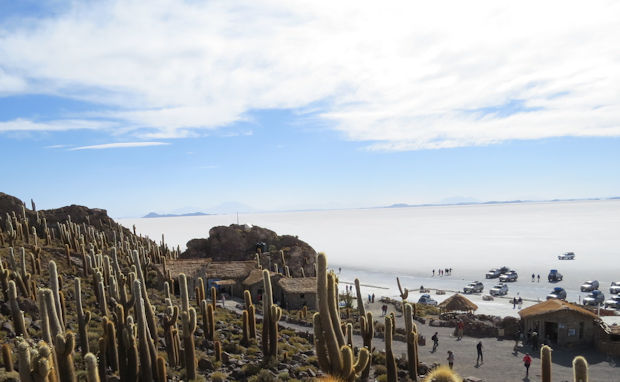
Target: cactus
(150, 314)
(35, 369)
(145, 343)
(360, 300)
(245, 338)
(403, 293)
(169, 322)
(367, 331)
(442, 374)
(580, 369)
(332, 353)
(188, 320)
(64, 344)
(111, 344)
(54, 286)
(411, 333)
(213, 297)
(16, 313)
(83, 317)
(545, 360)
(7, 358)
(390, 361)
(129, 365)
(217, 345)
(271, 316)
(92, 374)
(161, 369)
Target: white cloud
(118, 145)
(400, 75)
(58, 125)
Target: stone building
(560, 322)
(254, 283)
(296, 292)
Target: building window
(301, 295)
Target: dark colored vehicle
(594, 298)
(558, 293)
(615, 287)
(426, 299)
(554, 276)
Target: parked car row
(505, 274)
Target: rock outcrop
(239, 242)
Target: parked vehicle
(615, 287)
(474, 287)
(558, 293)
(594, 298)
(500, 289)
(554, 276)
(589, 286)
(567, 256)
(613, 302)
(509, 276)
(426, 299)
(493, 273)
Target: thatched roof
(210, 269)
(459, 303)
(225, 282)
(553, 305)
(298, 285)
(256, 276)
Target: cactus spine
(442, 374)
(545, 360)
(332, 353)
(580, 369)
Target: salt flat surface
(376, 245)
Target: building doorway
(551, 332)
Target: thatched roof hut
(552, 306)
(459, 303)
(298, 285)
(295, 293)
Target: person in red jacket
(527, 361)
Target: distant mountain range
(156, 215)
(466, 203)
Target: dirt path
(501, 362)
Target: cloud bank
(398, 76)
(118, 145)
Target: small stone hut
(297, 292)
(225, 275)
(254, 283)
(560, 322)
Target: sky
(217, 106)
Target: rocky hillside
(239, 242)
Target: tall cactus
(64, 344)
(271, 316)
(54, 286)
(83, 317)
(92, 374)
(145, 343)
(580, 369)
(367, 331)
(251, 313)
(16, 313)
(188, 322)
(411, 333)
(360, 300)
(37, 368)
(390, 361)
(169, 323)
(331, 350)
(7, 358)
(545, 360)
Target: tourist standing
(450, 359)
(533, 277)
(373, 298)
(459, 330)
(480, 358)
(223, 300)
(527, 361)
(435, 339)
(538, 278)
(514, 302)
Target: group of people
(533, 277)
(479, 357)
(443, 272)
(517, 301)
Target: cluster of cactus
(580, 366)
(334, 356)
(248, 319)
(188, 323)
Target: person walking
(538, 278)
(450, 359)
(459, 330)
(514, 302)
(533, 276)
(480, 358)
(435, 339)
(527, 361)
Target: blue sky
(174, 106)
